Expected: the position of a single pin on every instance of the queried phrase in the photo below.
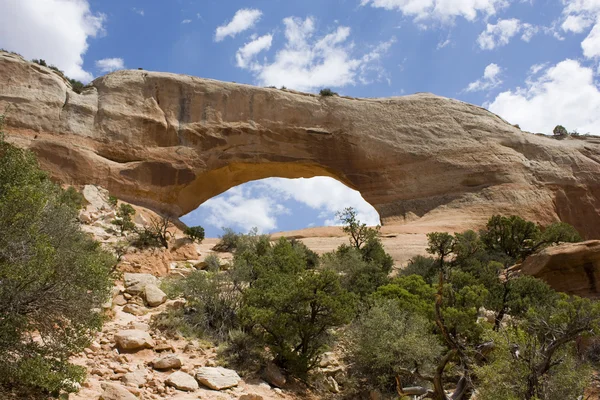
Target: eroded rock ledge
(171, 142)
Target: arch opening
(280, 204)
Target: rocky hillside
(171, 142)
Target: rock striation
(171, 142)
(573, 268)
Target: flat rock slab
(182, 381)
(217, 378)
(113, 391)
(133, 339)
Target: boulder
(120, 300)
(573, 268)
(182, 381)
(133, 339)
(114, 391)
(273, 375)
(170, 361)
(251, 396)
(135, 379)
(154, 296)
(217, 378)
(136, 282)
(134, 309)
(94, 197)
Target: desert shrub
(560, 232)
(76, 85)
(420, 265)
(159, 229)
(113, 201)
(292, 308)
(327, 92)
(560, 130)
(124, 219)
(72, 198)
(213, 263)
(194, 233)
(145, 238)
(228, 242)
(386, 341)
(40, 62)
(212, 306)
(243, 352)
(54, 278)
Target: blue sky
(535, 63)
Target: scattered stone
(135, 283)
(160, 347)
(327, 359)
(217, 378)
(133, 339)
(332, 385)
(273, 375)
(251, 396)
(120, 300)
(176, 304)
(113, 391)
(136, 378)
(170, 361)
(134, 309)
(182, 381)
(154, 296)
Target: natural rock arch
(172, 141)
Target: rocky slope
(171, 142)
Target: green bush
(421, 265)
(229, 241)
(72, 198)
(113, 201)
(76, 85)
(124, 219)
(386, 340)
(242, 352)
(327, 92)
(194, 233)
(54, 278)
(213, 263)
(292, 308)
(40, 62)
(560, 130)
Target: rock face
(171, 142)
(573, 268)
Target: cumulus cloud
(240, 208)
(110, 64)
(261, 203)
(243, 19)
(325, 194)
(489, 80)
(443, 10)
(307, 62)
(499, 34)
(246, 54)
(54, 30)
(564, 94)
(580, 15)
(186, 21)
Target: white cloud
(564, 94)
(243, 19)
(325, 194)
(54, 30)
(139, 11)
(499, 34)
(576, 23)
(307, 62)
(186, 21)
(443, 10)
(580, 15)
(489, 80)
(110, 64)
(240, 209)
(246, 53)
(591, 44)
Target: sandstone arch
(171, 141)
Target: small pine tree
(560, 130)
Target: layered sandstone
(171, 142)
(573, 268)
